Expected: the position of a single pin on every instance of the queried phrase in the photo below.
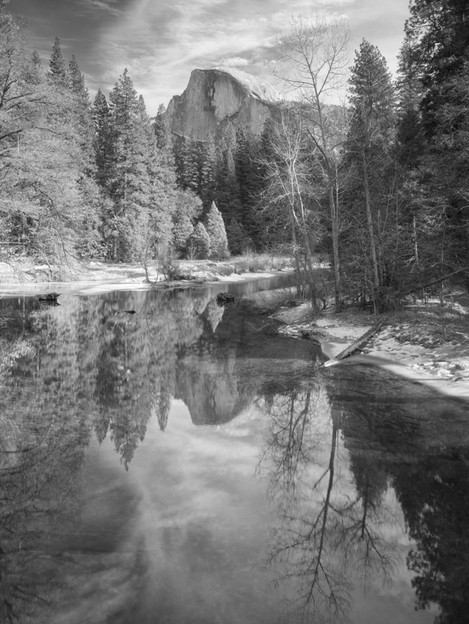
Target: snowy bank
(428, 344)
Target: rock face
(214, 99)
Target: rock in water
(49, 297)
(224, 298)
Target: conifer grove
(379, 185)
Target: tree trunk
(369, 220)
(295, 253)
(334, 208)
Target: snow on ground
(427, 344)
(99, 277)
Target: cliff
(214, 99)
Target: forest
(377, 184)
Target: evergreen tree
(76, 79)
(437, 46)
(217, 234)
(103, 144)
(188, 208)
(57, 69)
(81, 107)
(44, 188)
(187, 164)
(199, 243)
(162, 130)
(207, 167)
(164, 199)
(250, 181)
(227, 190)
(35, 73)
(238, 240)
(369, 153)
(129, 180)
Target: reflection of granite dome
(211, 390)
(215, 99)
(214, 314)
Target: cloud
(235, 61)
(106, 6)
(161, 41)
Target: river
(166, 460)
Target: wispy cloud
(161, 41)
(110, 7)
(235, 61)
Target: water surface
(184, 464)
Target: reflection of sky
(161, 41)
(199, 523)
(191, 531)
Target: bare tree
(287, 196)
(314, 55)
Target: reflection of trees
(136, 363)
(433, 493)
(330, 531)
(415, 443)
(44, 437)
(161, 405)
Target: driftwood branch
(356, 344)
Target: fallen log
(356, 345)
(414, 288)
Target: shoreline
(406, 345)
(99, 277)
(398, 346)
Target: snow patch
(258, 88)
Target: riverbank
(97, 276)
(423, 342)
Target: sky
(161, 41)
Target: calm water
(183, 465)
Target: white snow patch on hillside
(256, 86)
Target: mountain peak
(259, 88)
(215, 99)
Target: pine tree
(207, 167)
(76, 79)
(44, 188)
(103, 144)
(217, 234)
(129, 184)
(57, 69)
(250, 182)
(162, 130)
(369, 151)
(188, 208)
(238, 240)
(35, 74)
(437, 44)
(227, 188)
(199, 242)
(437, 34)
(82, 109)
